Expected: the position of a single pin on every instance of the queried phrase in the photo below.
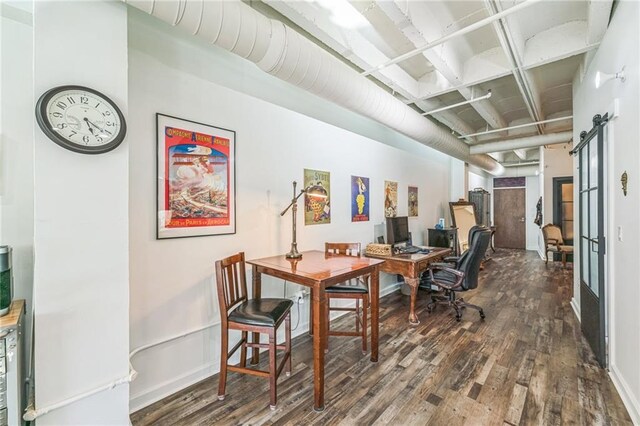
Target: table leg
(319, 335)
(375, 312)
(413, 283)
(256, 294)
(311, 313)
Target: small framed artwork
(413, 201)
(317, 199)
(390, 198)
(359, 199)
(195, 179)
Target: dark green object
(6, 286)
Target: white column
(81, 223)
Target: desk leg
(257, 294)
(319, 336)
(413, 283)
(375, 312)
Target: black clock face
(80, 119)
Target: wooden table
(411, 267)
(317, 271)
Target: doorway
(563, 211)
(509, 217)
(591, 187)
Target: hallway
(526, 364)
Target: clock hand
(102, 130)
(89, 125)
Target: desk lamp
(316, 191)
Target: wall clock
(80, 119)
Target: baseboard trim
(575, 307)
(632, 405)
(541, 254)
(168, 387)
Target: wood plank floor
(526, 364)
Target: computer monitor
(398, 230)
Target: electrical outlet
(298, 297)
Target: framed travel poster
(413, 201)
(195, 179)
(390, 198)
(359, 199)
(317, 205)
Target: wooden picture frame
(195, 183)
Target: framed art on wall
(390, 198)
(413, 201)
(359, 199)
(195, 179)
(317, 209)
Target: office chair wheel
(482, 314)
(458, 317)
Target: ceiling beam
(530, 94)
(448, 118)
(416, 20)
(444, 38)
(598, 13)
(349, 44)
(519, 143)
(521, 153)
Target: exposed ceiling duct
(286, 54)
(518, 143)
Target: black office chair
(461, 275)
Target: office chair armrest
(439, 267)
(451, 259)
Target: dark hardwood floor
(526, 364)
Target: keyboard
(412, 250)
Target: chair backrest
(552, 232)
(232, 283)
(472, 234)
(470, 262)
(343, 249)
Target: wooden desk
(411, 267)
(317, 271)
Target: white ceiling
(527, 59)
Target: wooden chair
(553, 242)
(237, 312)
(354, 289)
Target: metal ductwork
(528, 142)
(286, 54)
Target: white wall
(619, 47)
(172, 286)
(81, 223)
(477, 181)
(16, 150)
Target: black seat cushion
(444, 277)
(261, 312)
(353, 286)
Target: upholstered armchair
(554, 243)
